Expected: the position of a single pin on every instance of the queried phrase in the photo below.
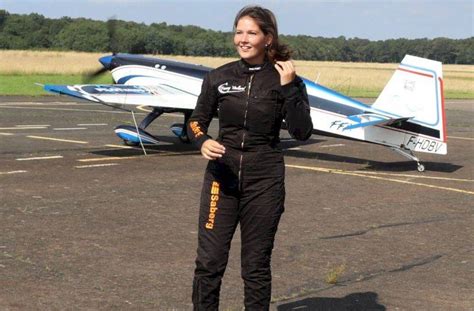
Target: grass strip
(25, 84)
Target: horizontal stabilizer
(395, 121)
(368, 119)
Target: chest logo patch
(226, 88)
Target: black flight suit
(246, 185)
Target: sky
(367, 19)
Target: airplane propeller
(112, 47)
(88, 77)
(112, 33)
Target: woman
(244, 179)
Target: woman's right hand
(212, 150)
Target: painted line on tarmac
(337, 171)
(89, 110)
(40, 158)
(6, 134)
(57, 139)
(92, 124)
(144, 108)
(168, 153)
(17, 103)
(96, 165)
(463, 138)
(153, 153)
(24, 128)
(12, 172)
(65, 109)
(117, 158)
(46, 104)
(32, 125)
(69, 128)
(107, 159)
(330, 146)
(119, 146)
(413, 176)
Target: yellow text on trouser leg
(213, 205)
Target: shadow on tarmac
(172, 144)
(286, 143)
(401, 166)
(353, 302)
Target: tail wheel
(420, 167)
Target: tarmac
(90, 224)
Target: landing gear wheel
(130, 143)
(184, 139)
(421, 167)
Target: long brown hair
(266, 20)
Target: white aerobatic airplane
(407, 117)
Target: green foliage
(23, 31)
(83, 35)
(466, 51)
(34, 31)
(3, 17)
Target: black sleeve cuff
(291, 89)
(200, 141)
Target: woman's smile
(250, 40)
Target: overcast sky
(369, 19)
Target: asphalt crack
(310, 289)
(417, 263)
(382, 226)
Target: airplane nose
(106, 61)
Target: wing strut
(138, 132)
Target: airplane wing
(121, 96)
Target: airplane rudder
(415, 90)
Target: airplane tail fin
(415, 91)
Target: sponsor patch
(226, 88)
(213, 205)
(196, 129)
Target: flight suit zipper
(249, 86)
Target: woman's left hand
(286, 70)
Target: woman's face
(250, 40)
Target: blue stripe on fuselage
(332, 106)
(125, 79)
(335, 107)
(317, 87)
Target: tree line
(36, 32)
